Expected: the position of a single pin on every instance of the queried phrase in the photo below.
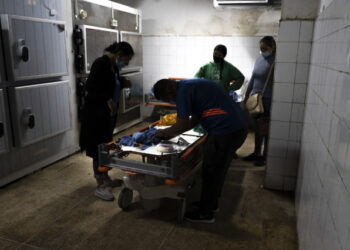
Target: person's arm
(201, 72)
(181, 125)
(238, 78)
(97, 82)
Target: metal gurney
(155, 174)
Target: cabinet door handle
(22, 50)
(28, 118)
(31, 121)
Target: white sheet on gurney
(190, 136)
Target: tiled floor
(55, 209)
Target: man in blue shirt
(203, 101)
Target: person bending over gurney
(203, 101)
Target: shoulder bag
(254, 103)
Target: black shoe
(197, 204)
(200, 216)
(260, 163)
(252, 157)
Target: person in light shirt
(256, 84)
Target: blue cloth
(127, 141)
(259, 75)
(116, 94)
(146, 138)
(138, 136)
(210, 104)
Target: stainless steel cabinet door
(41, 111)
(135, 40)
(95, 41)
(34, 48)
(128, 21)
(132, 97)
(3, 125)
(93, 14)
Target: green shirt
(211, 71)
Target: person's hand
(125, 83)
(112, 106)
(162, 134)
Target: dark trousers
(260, 139)
(95, 161)
(218, 154)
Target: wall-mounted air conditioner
(228, 3)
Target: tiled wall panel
(288, 102)
(183, 56)
(323, 187)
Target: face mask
(218, 59)
(265, 53)
(119, 64)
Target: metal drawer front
(127, 21)
(135, 41)
(132, 97)
(42, 111)
(3, 124)
(34, 48)
(93, 14)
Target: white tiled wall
(182, 56)
(323, 187)
(288, 105)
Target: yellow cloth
(167, 120)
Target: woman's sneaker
(104, 193)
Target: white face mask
(265, 54)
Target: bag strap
(268, 78)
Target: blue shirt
(210, 104)
(116, 94)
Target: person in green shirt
(221, 72)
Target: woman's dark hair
(221, 48)
(269, 41)
(124, 47)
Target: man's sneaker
(199, 216)
(103, 193)
(253, 157)
(197, 204)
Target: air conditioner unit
(227, 3)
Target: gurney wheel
(125, 198)
(181, 208)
